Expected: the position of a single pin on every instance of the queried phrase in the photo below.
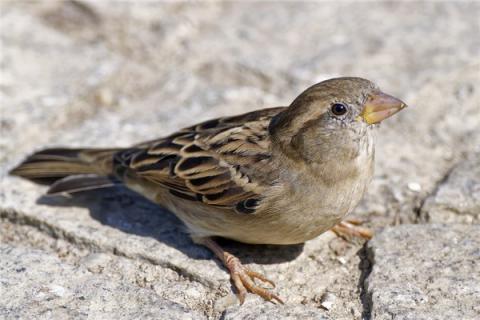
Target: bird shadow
(125, 210)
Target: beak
(380, 106)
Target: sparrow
(280, 175)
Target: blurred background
(113, 73)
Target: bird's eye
(339, 109)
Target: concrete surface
(425, 272)
(91, 73)
(457, 199)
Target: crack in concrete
(367, 256)
(16, 217)
(423, 217)
(365, 266)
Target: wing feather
(211, 162)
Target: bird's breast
(306, 205)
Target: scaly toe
(243, 280)
(237, 282)
(262, 292)
(257, 275)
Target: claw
(238, 283)
(354, 221)
(247, 281)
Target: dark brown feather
(59, 163)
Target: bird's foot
(352, 228)
(242, 277)
(244, 280)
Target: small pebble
(59, 291)
(414, 186)
(342, 260)
(105, 97)
(328, 300)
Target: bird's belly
(295, 223)
(291, 219)
(305, 215)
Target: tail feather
(78, 183)
(54, 164)
(50, 169)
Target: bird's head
(330, 118)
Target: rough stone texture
(95, 74)
(458, 198)
(425, 272)
(271, 312)
(35, 283)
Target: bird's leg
(351, 227)
(242, 277)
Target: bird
(281, 175)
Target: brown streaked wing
(209, 162)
